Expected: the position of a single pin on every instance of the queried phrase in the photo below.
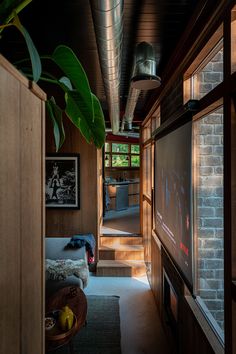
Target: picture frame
(62, 181)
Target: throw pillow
(59, 269)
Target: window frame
(129, 154)
(199, 300)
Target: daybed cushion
(60, 269)
(55, 249)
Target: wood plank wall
(156, 273)
(66, 222)
(233, 219)
(21, 210)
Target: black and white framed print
(62, 181)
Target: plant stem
(18, 9)
(44, 79)
(28, 59)
(7, 25)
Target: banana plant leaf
(98, 126)
(82, 107)
(74, 111)
(65, 58)
(55, 114)
(34, 56)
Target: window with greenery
(122, 155)
(124, 148)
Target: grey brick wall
(210, 76)
(208, 132)
(209, 212)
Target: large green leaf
(64, 80)
(65, 58)
(74, 102)
(98, 126)
(34, 56)
(55, 114)
(93, 129)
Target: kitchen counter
(115, 183)
(121, 194)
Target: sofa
(55, 249)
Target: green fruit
(66, 318)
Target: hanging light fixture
(144, 72)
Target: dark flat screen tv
(173, 196)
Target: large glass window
(209, 74)
(124, 148)
(120, 160)
(206, 72)
(208, 216)
(122, 155)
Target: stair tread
(121, 247)
(119, 263)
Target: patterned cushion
(60, 269)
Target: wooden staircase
(121, 256)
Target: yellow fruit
(66, 318)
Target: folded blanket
(59, 269)
(87, 240)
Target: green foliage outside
(135, 149)
(120, 147)
(135, 161)
(120, 161)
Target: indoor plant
(82, 107)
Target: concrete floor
(121, 222)
(141, 330)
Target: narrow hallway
(141, 330)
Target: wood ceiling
(159, 22)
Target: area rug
(101, 335)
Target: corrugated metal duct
(108, 26)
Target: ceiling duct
(143, 78)
(108, 26)
(129, 109)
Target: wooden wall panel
(21, 210)
(10, 217)
(99, 193)
(156, 273)
(67, 222)
(31, 226)
(233, 187)
(234, 326)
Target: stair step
(114, 268)
(122, 240)
(121, 252)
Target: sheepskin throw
(59, 269)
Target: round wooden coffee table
(75, 298)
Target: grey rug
(101, 335)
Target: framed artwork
(62, 181)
